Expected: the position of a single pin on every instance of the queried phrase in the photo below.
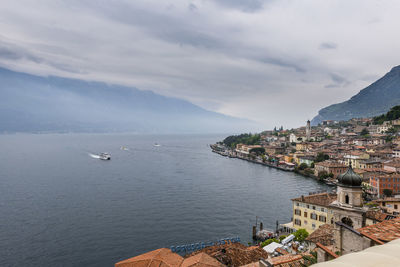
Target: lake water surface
(61, 207)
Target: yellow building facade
(356, 161)
(310, 212)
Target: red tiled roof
(377, 215)
(323, 235)
(385, 231)
(327, 250)
(162, 257)
(322, 199)
(331, 164)
(201, 259)
(285, 259)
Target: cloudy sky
(276, 62)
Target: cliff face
(371, 101)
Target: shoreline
(299, 172)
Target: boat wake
(94, 156)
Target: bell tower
(308, 130)
(348, 209)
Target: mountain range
(371, 101)
(30, 103)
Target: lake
(61, 207)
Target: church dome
(349, 178)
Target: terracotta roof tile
(323, 235)
(385, 231)
(235, 254)
(377, 215)
(162, 257)
(201, 259)
(289, 260)
(322, 199)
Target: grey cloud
(217, 56)
(283, 63)
(192, 7)
(337, 78)
(338, 81)
(8, 54)
(244, 5)
(331, 86)
(13, 52)
(328, 45)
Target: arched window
(348, 221)
(346, 199)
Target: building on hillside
(245, 149)
(312, 211)
(307, 160)
(390, 205)
(392, 166)
(396, 152)
(289, 158)
(379, 182)
(327, 166)
(383, 128)
(274, 150)
(293, 138)
(377, 216)
(303, 146)
(371, 164)
(354, 157)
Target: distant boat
(104, 156)
(156, 144)
(124, 148)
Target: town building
(390, 205)
(379, 182)
(354, 158)
(328, 167)
(312, 211)
(392, 166)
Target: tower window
(348, 221)
(347, 200)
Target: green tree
(247, 139)
(257, 150)
(303, 166)
(323, 175)
(282, 237)
(364, 132)
(387, 192)
(393, 114)
(300, 235)
(321, 157)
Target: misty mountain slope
(31, 103)
(373, 100)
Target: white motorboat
(156, 144)
(105, 156)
